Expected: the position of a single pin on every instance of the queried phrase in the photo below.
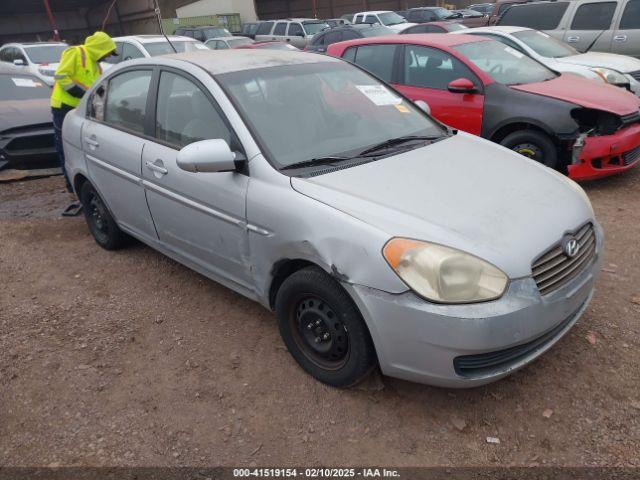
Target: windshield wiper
(392, 142)
(316, 161)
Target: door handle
(620, 38)
(91, 141)
(573, 39)
(156, 168)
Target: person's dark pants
(58, 118)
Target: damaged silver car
(379, 236)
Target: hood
(16, 114)
(464, 192)
(585, 93)
(400, 26)
(621, 63)
(98, 45)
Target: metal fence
(231, 21)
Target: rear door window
(281, 28)
(594, 16)
(127, 100)
(377, 59)
(540, 16)
(631, 16)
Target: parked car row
(378, 235)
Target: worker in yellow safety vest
(78, 70)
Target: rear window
(540, 16)
(594, 16)
(22, 87)
(264, 28)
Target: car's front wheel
(101, 224)
(534, 145)
(323, 329)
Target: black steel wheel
(534, 145)
(101, 224)
(323, 329)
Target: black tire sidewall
(541, 140)
(115, 238)
(362, 358)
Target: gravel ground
(129, 358)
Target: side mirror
(207, 156)
(462, 85)
(19, 62)
(301, 34)
(424, 106)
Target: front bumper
(28, 148)
(429, 343)
(608, 154)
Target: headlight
(610, 76)
(442, 274)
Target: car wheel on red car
(534, 145)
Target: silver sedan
(379, 236)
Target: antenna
(159, 17)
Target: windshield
(22, 87)
(316, 110)
(442, 13)
(544, 45)
(216, 32)
(391, 18)
(163, 48)
(314, 27)
(505, 64)
(452, 27)
(45, 53)
(376, 31)
(238, 41)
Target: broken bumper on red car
(608, 154)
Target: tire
(345, 354)
(534, 145)
(101, 224)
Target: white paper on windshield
(513, 52)
(25, 82)
(199, 46)
(379, 95)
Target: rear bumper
(28, 149)
(608, 155)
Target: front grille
(631, 156)
(630, 119)
(486, 363)
(636, 75)
(555, 269)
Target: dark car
(434, 27)
(249, 29)
(26, 128)
(203, 33)
(430, 14)
(322, 40)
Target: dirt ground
(129, 358)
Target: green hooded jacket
(79, 68)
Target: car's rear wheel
(534, 145)
(323, 329)
(101, 224)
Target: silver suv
(296, 31)
(588, 25)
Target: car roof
(429, 39)
(426, 8)
(500, 29)
(232, 37)
(152, 38)
(218, 62)
(374, 12)
(33, 44)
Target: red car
(580, 127)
